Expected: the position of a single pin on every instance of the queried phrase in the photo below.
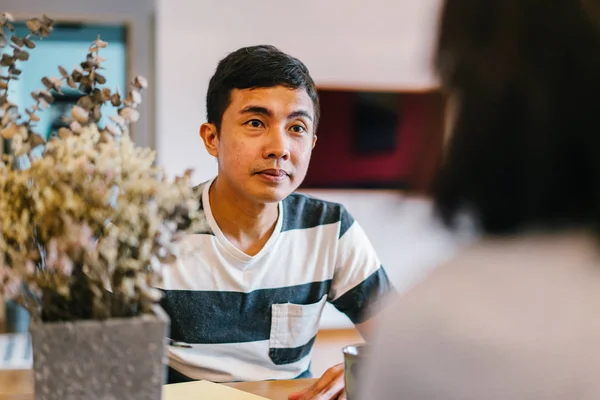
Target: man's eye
(298, 129)
(254, 123)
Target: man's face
(265, 142)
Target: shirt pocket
(293, 330)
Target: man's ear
(314, 141)
(208, 133)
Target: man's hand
(329, 387)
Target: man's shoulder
(198, 189)
(303, 211)
(203, 226)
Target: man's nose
(277, 147)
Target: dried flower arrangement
(86, 218)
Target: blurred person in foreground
(516, 315)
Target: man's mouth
(273, 175)
(274, 172)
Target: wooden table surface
(18, 385)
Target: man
(245, 303)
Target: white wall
(358, 43)
(375, 44)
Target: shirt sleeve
(360, 286)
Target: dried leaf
(135, 96)
(113, 130)
(96, 113)
(9, 132)
(34, 25)
(71, 83)
(117, 119)
(75, 127)
(130, 114)
(86, 80)
(115, 100)
(64, 133)
(10, 27)
(47, 21)
(168, 259)
(17, 40)
(23, 132)
(140, 82)
(77, 75)
(35, 140)
(106, 95)
(47, 83)
(21, 55)
(30, 44)
(8, 17)
(47, 96)
(152, 294)
(45, 31)
(100, 43)
(6, 119)
(7, 105)
(105, 136)
(57, 83)
(21, 149)
(86, 103)
(80, 114)
(43, 103)
(85, 88)
(63, 72)
(3, 84)
(6, 60)
(100, 79)
(97, 96)
(14, 71)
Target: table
(275, 390)
(18, 385)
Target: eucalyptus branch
(87, 227)
(9, 127)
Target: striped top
(248, 318)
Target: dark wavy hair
(524, 150)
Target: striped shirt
(249, 318)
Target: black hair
(256, 67)
(524, 150)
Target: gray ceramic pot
(121, 358)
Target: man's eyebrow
(256, 110)
(265, 111)
(300, 113)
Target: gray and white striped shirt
(249, 318)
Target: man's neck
(247, 225)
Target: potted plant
(87, 222)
